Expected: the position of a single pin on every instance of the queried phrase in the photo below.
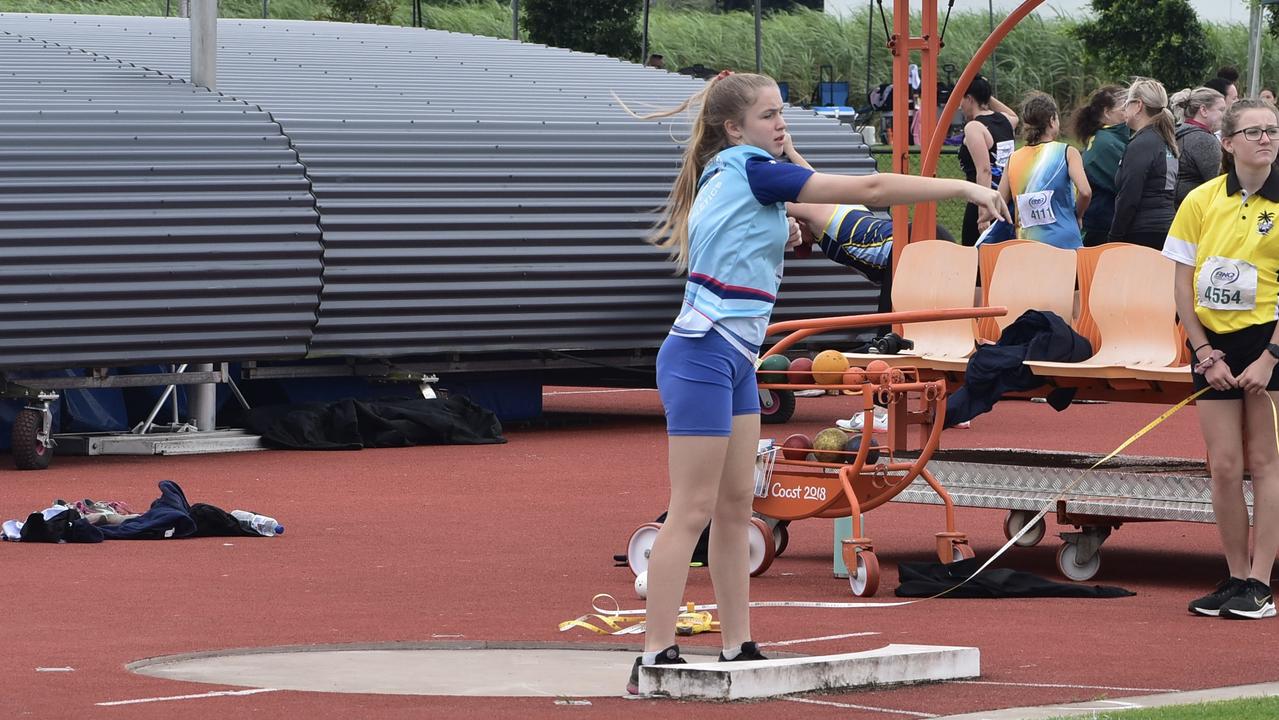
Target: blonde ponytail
(725, 97)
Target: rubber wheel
(780, 409)
(1016, 520)
(781, 537)
(639, 546)
(866, 582)
(762, 550)
(1066, 555)
(28, 452)
(961, 551)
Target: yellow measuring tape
(626, 622)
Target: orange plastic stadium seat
(987, 259)
(1131, 302)
(931, 275)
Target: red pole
(929, 50)
(898, 44)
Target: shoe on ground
(749, 651)
(858, 420)
(1253, 602)
(669, 656)
(814, 392)
(1211, 603)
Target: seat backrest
(932, 275)
(1033, 276)
(1086, 266)
(1131, 300)
(987, 259)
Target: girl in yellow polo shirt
(1226, 247)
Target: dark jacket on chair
(997, 369)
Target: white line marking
(596, 392)
(1064, 685)
(55, 669)
(1107, 705)
(849, 706)
(780, 643)
(219, 693)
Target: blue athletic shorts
(704, 382)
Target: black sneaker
(1211, 603)
(1253, 602)
(669, 656)
(750, 651)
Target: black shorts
(1241, 348)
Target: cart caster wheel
(865, 583)
(762, 550)
(779, 407)
(781, 538)
(961, 551)
(641, 543)
(28, 452)
(1066, 563)
(1016, 520)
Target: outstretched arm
(885, 189)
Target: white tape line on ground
(1063, 685)
(219, 693)
(850, 706)
(781, 643)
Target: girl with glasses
(1226, 247)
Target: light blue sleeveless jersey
(735, 254)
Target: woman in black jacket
(1146, 183)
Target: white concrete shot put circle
(479, 669)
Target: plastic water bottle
(260, 524)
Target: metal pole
(1254, 51)
(167, 8)
(515, 19)
(994, 61)
(759, 38)
(204, 43)
(204, 73)
(184, 8)
(870, 28)
(266, 9)
(644, 37)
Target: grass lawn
(1246, 709)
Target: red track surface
(503, 542)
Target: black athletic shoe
(669, 656)
(1211, 603)
(750, 651)
(1253, 602)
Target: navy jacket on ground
(997, 369)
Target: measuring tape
(616, 621)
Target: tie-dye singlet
(1043, 195)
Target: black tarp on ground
(351, 424)
(928, 579)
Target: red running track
(503, 542)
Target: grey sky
(1220, 11)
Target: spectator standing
(1045, 179)
(1267, 94)
(988, 143)
(1146, 184)
(1228, 89)
(1226, 293)
(1100, 127)
(1199, 112)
